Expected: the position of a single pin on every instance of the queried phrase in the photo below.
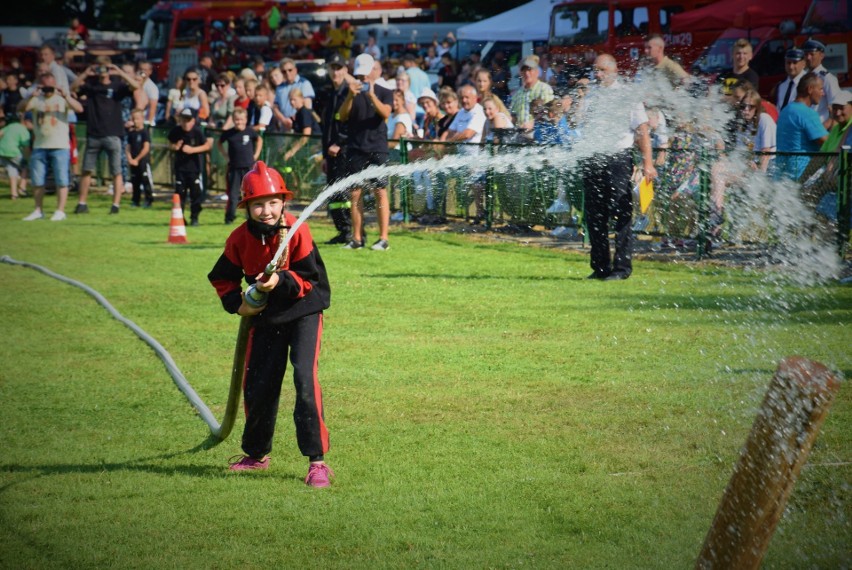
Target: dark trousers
(608, 196)
(235, 180)
(143, 183)
(191, 184)
(339, 204)
(266, 363)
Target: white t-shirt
(265, 115)
(638, 116)
(473, 119)
(403, 118)
(411, 99)
(763, 139)
(174, 96)
(151, 90)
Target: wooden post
(795, 406)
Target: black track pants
(266, 359)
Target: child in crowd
(138, 151)
(189, 145)
(551, 125)
(261, 115)
(305, 122)
(14, 140)
(244, 147)
(291, 321)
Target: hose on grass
(217, 430)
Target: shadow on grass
(142, 464)
(465, 277)
(756, 308)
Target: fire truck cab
(619, 27)
(177, 33)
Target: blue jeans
(59, 160)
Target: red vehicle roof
(740, 14)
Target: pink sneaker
(318, 475)
(245, 463)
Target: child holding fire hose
(290, 321)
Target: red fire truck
(772, 31)
(234, 31)
(619, 27)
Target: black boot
(342, 219)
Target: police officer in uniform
(814, 54)
(794, 66)
(334, 148)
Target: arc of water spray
(609, 115)
(217, 430)
(498, 163)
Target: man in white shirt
(467, 127)
(607, 188)
(794, 66)
(61, 74)
(814, 54)
(469, 122)
(144, 69)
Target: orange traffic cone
(177, 227)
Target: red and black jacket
(303, 287)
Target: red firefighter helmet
(262, 181)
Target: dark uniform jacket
(303, 287)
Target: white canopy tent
(527, 23)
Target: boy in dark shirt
(138, 151)
(189, 144)
(244, 147)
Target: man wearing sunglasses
(50, 106)
(292, 79)
(103, 85)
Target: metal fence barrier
(550, 196)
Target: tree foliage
(123, 15)
(126, 15)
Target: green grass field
(488, 407)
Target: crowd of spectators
(434, 98)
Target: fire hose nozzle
(255, 298)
